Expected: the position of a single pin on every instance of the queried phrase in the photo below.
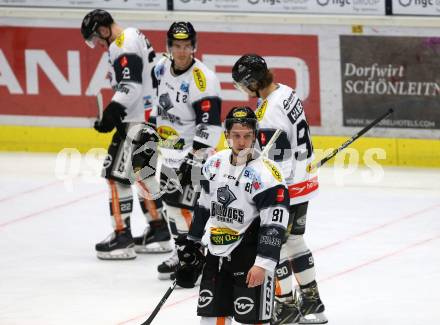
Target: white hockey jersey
(236, 197)
(131, 59)
(293, 150)
(188, 110)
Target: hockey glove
(190, 171)
(145, 148)
(111, 118)
(191, 260)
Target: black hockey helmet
(92, 21)
(243, 115)
(180, 30)
(249, 70)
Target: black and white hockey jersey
(234, 198)
(131, 59)
(188, 110)
(293, 150)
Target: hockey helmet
(243, 115)
(249, 70)
(181, 31)
(91, 22)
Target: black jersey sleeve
(208, 122)
(272, 204)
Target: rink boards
(348, 70)
(385, 151)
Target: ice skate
(312, 309)
(168, 267)
(118, 245)
(156, 239)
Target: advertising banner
(416, 7)
(348, 7)
(381, 72)
(104, 4)
(50, 72)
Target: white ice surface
(376, 248)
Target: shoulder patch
(261, 110)
(120, 40)
(159, 70)
(273, 169)
(199, 79)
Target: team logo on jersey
(199, 79)
(167, 132)
(221, 209)
(120, 40)
(225, 196)
(226, 214)
(184, 87)
(263, 138)
(273, 169)
(165, 102)
(123, 61)
(261, 110)
(280, 195)
(206, 105)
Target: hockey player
(131, 62)
(242, 217)
(280, 108)
(188, 121)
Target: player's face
(241, 139)
(182, 52)
(98, 38)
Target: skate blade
(154, 248)
(313, 319)
(118, 254)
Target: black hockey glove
(145, 149)
(190, 171)
(111, 118)
(191, 260)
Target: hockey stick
(312, 167)
(99, 103)
(271, 142)
(160, 304)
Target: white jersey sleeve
(132, 61)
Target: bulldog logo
(225, 196)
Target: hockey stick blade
(160, 304)
(311, 168)
(100, 105)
